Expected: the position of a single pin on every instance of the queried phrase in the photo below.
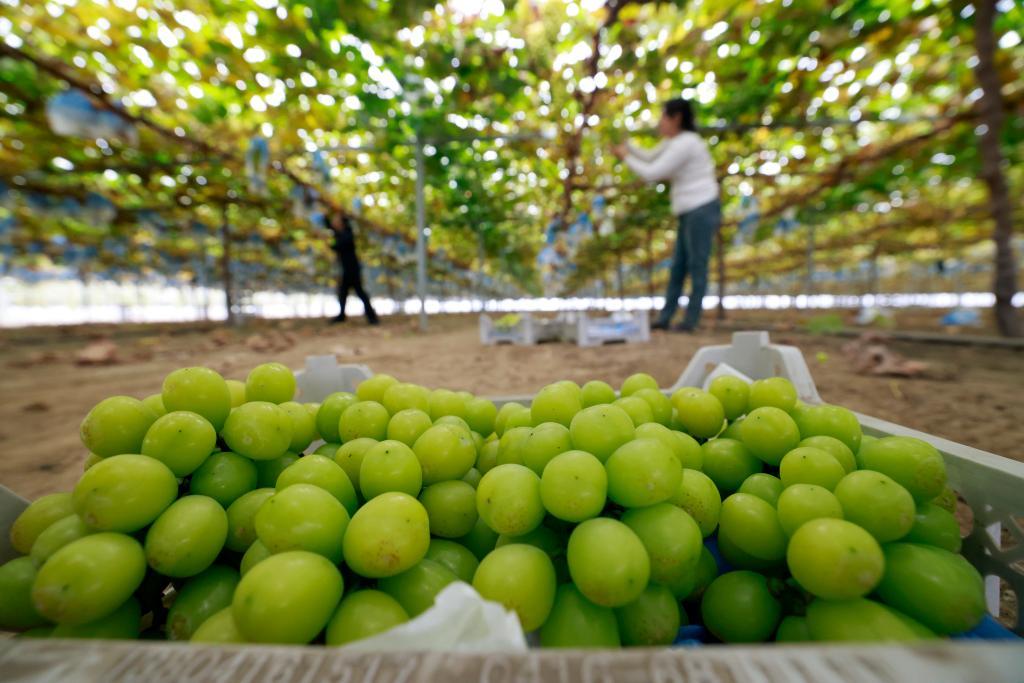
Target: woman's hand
(620, 150)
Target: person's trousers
(352, 280)
(697, 229)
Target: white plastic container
(526, 332)
(627, 327)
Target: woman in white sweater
(683, 159)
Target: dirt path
(44, 395)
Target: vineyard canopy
(857, 119)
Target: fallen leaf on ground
(103, 352)
(36, 407)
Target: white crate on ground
(619, 327)
(525, 330)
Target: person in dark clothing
(350, 276)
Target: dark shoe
(684, 328)
(659, 325)
(372, 320)
(338, 319)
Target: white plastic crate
(620, 327)
(526, 332)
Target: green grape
(313, 409)
(270, 382)
(511, 446)
(328, 449)
(303, 517)
(769, 433)
(672, 540)
(596, 392)
(601, 429)
(402, 396)
(877, 503)
(800, 503)
(303, 426)
(733, 393)
(835, 559)
(520, 577)
(732, 431)
(661, 406)
(684, 446)
(764, 486)
(89, 578)
(738, 607)
(124, 493)
(861, 621)
(416, 588)
(451, 507)
(455, 421)
(224, 477)
(635, 383)
(90, 461)
(792, 629)
(699, 497)
(555, 403)
(124, 623)
(187, 537)
(242, 519)
(319, 470)
(519, 418)
(932, 526)
(457, 557)
(481, 414)
(478, 442)
(219, 628)
(56, 536)
(642, 472)
(350, 456)
(374, 388)
(542, 537)
(574, 486)
(259, 430)
(700, 413)
(575, 622)
(363, 614)
(481, 540)
(504, 413)
(915, 465)
(365, 419)
(288, 597)
(237, 391)
(390, 466)
(752, 525)
(267, 471)
(116, 425)
(608, 562)
(181, 440)
(637, 409)
(777, 392)
(444, 452)
(487, 457)
(200, 598)
(651, 620)
(946, 500)
(938, 588)
(508, 500)
(807, 465)
(834, 447)
(706, 572)
(199, 390)
(329, 415)
(256, 553)
(154, 404)
(17, 612)
(446, 402)
(407, 425)
(387, 535)
(544, 442)
(472, 477)
(729, 463)
(37, 518)
(833, 421)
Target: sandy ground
(44, 394)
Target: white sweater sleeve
(646, 154)
(672, 155)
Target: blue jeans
(697, 228)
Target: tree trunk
(650, 262)
(809, 287)
(720, 263)
(225, 234)
(991, 106)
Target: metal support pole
(480, 257)
(421, 238)
(225, 231)
(809, 287)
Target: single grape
(699, 497)
(374, 388)
(777, 392)
(124, 493)
(256, 553)
(544, 442)
(90, 461)
(834, 447)
(487, 458)
(350, 456)
(807, 465)
(519, 418)
(672, 539)
(480, 414)
(242, 519)
(444, 452)
(651, 620)
(601, 429)
(555, 403)
(446, 402)
(365, 419)
(187, 537)
(267, 471)
(800, 503)
(733, 393)
(635, 383)
(792, 629)
(402, 396)
(521, 578)
(363, 614)
(451, 507)
(638, 410)
(877, 503)
(542, 538)
(416, 588)
(89, 578)
(932, 526)
(387, 535)
(455, 421)
(481, 540)
(224, 477)
(329, 415)
(200, 598)
(37, 518)
(642, 472)
(472, 477)
(457, 557)
(764, 486)
(17, 612)
(835, 559)
(511, 446)
(574, 486)
(738, 607)
(237, 391)
(199, 390)
(826, 420)
(861, 621)
(271, 382)
(508, 500)
(303, 426)
(319, 470)
(729, 463)
(947, 500)
(155, 404)
(504, 413)
(915, 465)
(661, 406)
(219, 628)
(287, 598)
(181, 440)
(684, 446)
(575, 622)
(407, 425)
(596, 392)
(390, 466)
(56, 536)
(116, 425)
(608, 562)
(329, 449)
(303, 517)
(752, 525)
(124, 623)
(700, 413)
(259, 430)
(706, 572)
(769, 433)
